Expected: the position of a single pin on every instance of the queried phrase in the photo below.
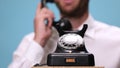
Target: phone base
(70, 59)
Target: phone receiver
(63, 24)
(45, 1)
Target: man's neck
(77, 22)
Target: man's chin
(67, 12)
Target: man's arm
(27, 54)
(31, 51)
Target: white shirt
(102, 40)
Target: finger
(44, 11)
(50, 21)
(42, 15)
(47, 20)
(47, 11)
(46, 16)
(38, 8)
(51, 13)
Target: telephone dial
(70, 49)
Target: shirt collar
(90, 31)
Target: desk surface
(66, 67)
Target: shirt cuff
(35, 52)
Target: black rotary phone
(64, 27)
(70, 49)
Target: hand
(43, 31)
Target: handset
(63, 24)
(45, 1)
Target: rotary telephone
(70, 49)
(64, 28)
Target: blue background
(16, 20)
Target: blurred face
(72, 8)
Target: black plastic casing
(70, 59)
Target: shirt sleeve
(27, 54)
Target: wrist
(41, 42)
